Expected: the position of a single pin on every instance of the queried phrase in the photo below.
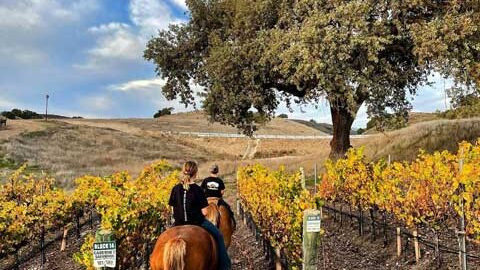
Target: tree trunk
(342, 120)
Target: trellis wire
(421, 239)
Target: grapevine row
(134, 209)
(428, 191)
(276, 201)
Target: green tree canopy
(164, 111)
(249, 55)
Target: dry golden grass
(100, 147)
(194, 122)
(69, 151)
(16, 127)
(437, 135)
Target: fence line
(40, 248)
(258, 136)
(423, 240)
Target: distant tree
(255, 54)
(282, 115)
(17, 113)
(312, 121)
(8, 115)
(388, 122)
(463, 100)
(360, 131)
(164, 111)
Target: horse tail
(174, 254)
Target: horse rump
(174, 254)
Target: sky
(87, 55)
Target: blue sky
(87, 55)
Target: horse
(220, 217)
(185, 247)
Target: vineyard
(134, 209)
(429, 194)
(432, 193)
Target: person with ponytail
(190, 207)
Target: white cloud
(180, 3)
(139, 85)
(119, 42)
(6, 104)
(26, 24)
(32, 14)
(97, 103)
(116, 41)
(150, 16)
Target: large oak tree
(249, 55)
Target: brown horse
(220, 217)
(185, 248)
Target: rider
(190, 207)
(213, 186)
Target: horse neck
(213, 214)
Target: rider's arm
(222, 187)
(203, 202)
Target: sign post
(311, 235)
(104, 250)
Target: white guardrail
(263, 136)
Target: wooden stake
(385, 237)
(278, 259)
(64, 238)
(462, 251)
(341, 216)
(417, 247)
(399, 242)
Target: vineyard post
(17, 260)
(77, 223)
(238, 206)
(278, 259)
(399, 242)
(42, 234)
(315, 179)
(341, 216)
(417, 247)
(372, 216)
(462, 252)
(91, 218)
(64, 238)
(360, 221)
(384, 223)
(311, 234)
(302, 173)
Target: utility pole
(46, 107)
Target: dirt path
(245, 252)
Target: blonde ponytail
(190, 169)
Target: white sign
(104, 254)
(313, 223)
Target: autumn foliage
(427, 191)
(276, 201)
(134, 209)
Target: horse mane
(213, 213)
(174, 254)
